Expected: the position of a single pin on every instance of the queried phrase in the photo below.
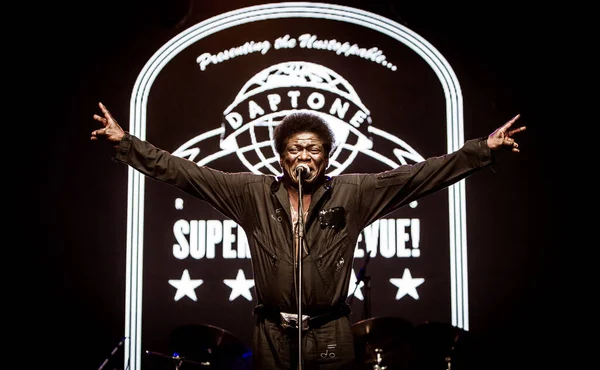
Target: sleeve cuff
(493, 158)
(123, 148)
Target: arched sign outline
(138, 110)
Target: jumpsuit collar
(282, 195)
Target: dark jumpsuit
(339, 211)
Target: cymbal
(210, 345)
(384, 341)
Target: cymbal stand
(449, 357)
(367, 303)
(112, 353)
(377, 365)
(178, 362)
(363, 277)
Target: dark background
(507, 59)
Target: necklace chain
(295, 214)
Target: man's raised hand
(111, 132)
(502, 138)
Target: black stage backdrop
(85, 53)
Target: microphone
(302, 170)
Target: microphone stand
(300, 245)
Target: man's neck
(306, 188)
(293, 190)
(295, 203)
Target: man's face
(307, 148)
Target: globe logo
(270, 95)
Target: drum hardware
(210, 347)
(178, 360)
(378, 360)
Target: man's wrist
(123, 148)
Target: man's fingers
(107, 121)
(510, 122)
(517, 130)
(104, 111)
(103, 108)
(100, 119)
(100, 132)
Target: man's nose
(304, 155)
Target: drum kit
(381, 343)
(205, 347)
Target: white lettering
(389, 237)
(205, 59)
(293, 95)
(203, 237)
(316, 101)
(181, 228)
(228, 239)
(415, 233)
(285, 42)
(402, 237)
(358, 118)
(197, 238)
(359, 253)
(274, 100)
(338, 108)
(243, 249)
(254, 109)
(234, 119)
(214, 236)
(307, 41)
(387, 243)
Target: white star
(185, 286)
(358, 293)
(240, 286)
(407, 285)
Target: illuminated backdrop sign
(214, 93)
